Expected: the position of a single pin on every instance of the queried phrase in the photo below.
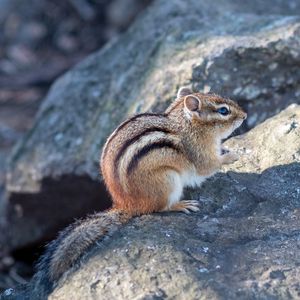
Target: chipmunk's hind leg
(186, 206)
(174, 203)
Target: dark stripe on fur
(134, 118)
(122, 125)
(135, 139)
(148, 148)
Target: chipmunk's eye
(223, 111)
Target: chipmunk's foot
(229, 158)
(185, 206)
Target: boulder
(243, 244)
(235, 48)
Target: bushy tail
(73, 242)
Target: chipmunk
(146, 162)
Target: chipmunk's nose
(245, 116)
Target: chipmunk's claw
(186, 206)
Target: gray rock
(244, 244)
(244, 51)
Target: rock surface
(243, 244)
(237, 49)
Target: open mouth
(235, 126)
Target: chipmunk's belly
(191, 178)
(180, 180)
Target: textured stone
(240, 49)
(244, 244)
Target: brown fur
(195, 143)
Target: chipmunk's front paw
(229, 158)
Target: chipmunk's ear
(192, 103)
(184, 91)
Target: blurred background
(39, 40)
(124, 56)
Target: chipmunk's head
(223, 115)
